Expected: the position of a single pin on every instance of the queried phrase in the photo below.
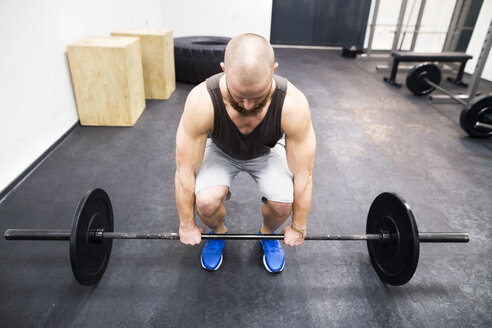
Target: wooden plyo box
(157, 48)
(107, 79)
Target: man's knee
(209, 200)
(280, 209)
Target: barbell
(392, 237)
(476, 117)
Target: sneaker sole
(268, 269)
(209, 269)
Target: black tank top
(233, 142)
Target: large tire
(198, 57)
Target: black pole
(432, 84)
(444, 237)
(36, 234)
(175, 236)
(40, 234)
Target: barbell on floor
(476, 117)
(392, 237)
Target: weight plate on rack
(478, 110)
(89, 257)
(395, 261)
(415, 78)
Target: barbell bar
(391, 234)
(435, 86)
(466, 110)
(99, 235)
(476, 116)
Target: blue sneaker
(273, 255)
(211, 257)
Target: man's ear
(222, 66)
(275, 67)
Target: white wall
(219, 17)
(37, 105)
(477, 39)
(436, 19)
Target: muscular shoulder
(295, 112)
(198, 113)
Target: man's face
(249, 101)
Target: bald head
(249, 59)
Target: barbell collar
(432, 84)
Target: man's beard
(257, 109)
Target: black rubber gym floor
(371, 137)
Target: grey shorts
(270, 171)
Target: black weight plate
(396, 261)
(478, 110)
(89, 258)
(415, 78)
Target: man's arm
(196, 121)
(300, 148)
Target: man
(258, 123)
